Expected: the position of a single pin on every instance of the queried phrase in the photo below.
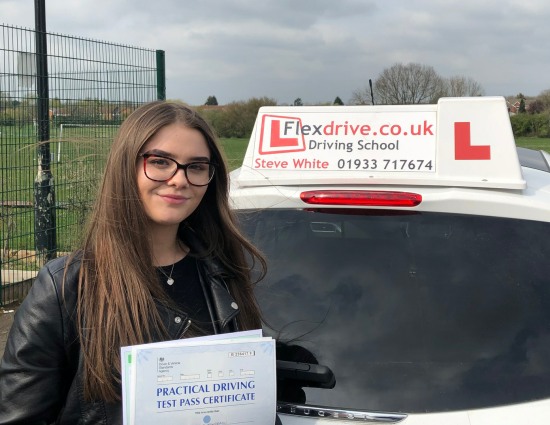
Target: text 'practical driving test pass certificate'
(224, 379)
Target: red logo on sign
(463, 147)
(281, 135)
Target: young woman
(161, 259)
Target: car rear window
(420, 312)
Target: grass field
(77, 159)
(234, 150)
(534, 143)
(78, 156)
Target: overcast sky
(313, 49)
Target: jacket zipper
(187, 325)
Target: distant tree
(412, 83)
(361, 97)
(337, 101)
(55, 102)
(459, 86)
(521, 109)
(535, 107)
(211, 101)
(298, 102)
(544, 97)
(235, 119)
(4, 100)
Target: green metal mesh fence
(50, 166)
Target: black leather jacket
(41, 371)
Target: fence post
(161, 76)
(44, 195)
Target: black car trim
(331, 413)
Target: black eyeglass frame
(179, 166)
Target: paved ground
(6, 319)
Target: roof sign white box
(458, 142)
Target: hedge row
(531, 125)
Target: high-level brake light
(370, 198)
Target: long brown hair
(118, 284)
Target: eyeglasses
(161, 169)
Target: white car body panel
(531, 203)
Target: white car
(409, 263)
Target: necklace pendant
(170, 281)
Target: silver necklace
(169, 279)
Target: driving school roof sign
(458, 142)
